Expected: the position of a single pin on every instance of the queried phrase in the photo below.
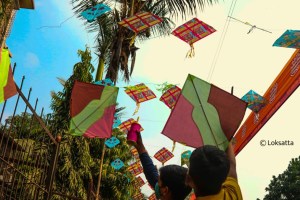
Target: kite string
(57, 26)
(221, 41)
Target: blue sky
(246, 61)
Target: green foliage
(164, 87)
(82, 71)
(287, 184)
(79, 158)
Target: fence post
(52, 169)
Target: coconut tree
(115, 44)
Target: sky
(245, 61)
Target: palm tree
(116, 45)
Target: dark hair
(173, 176)
(209, 167)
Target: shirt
(230, 191)
(150, 170)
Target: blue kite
(289, 39)
(92, 13)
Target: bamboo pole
(98, 197)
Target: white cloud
(31, 60)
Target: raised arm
(150, 170)
(231, 156)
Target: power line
(252, 26)
(57, 26)
(221, 41)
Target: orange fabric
(279, 91)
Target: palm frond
(184, 8)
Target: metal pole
(51, 172)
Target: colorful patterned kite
(112, 142)
(138, 196)
(150, 186)
(135, 154)
(139, 93)
(135, 169)
(192, 31)
(170, 96)
(255, 101)
(163, 155)
(92, 110)
(139, 182)
(7, 84)
(289, 39)
(117, 164)
(96, 11)
(140, 21)
(152, 197)
(185, 156)
(204, 114)
(125, 126)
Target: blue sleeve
(150, 170)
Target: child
(169, 184)
(212, 174)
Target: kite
(139, 93)
(117, 121)
(185, 156)
(7, 84)
(138, 196)
(192, 31)
(117, 164)
(139, 182)
(152, 197)
(170, 96)
(112, 142)
(92, 13)
(92, 110)
(135, 154)
(163, 155)
(255, 101)
(289, 39)
(105, 82)
(204, 114)
(135, 169)
(125, 126)
(140, 21)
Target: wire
(221, 41)
(252, 26)
(57, 26)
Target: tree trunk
(100, 69)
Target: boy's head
(171, 183)
(209, 167)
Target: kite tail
(137, 108)
(173, 148)
(132, 39)
(191, 52)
